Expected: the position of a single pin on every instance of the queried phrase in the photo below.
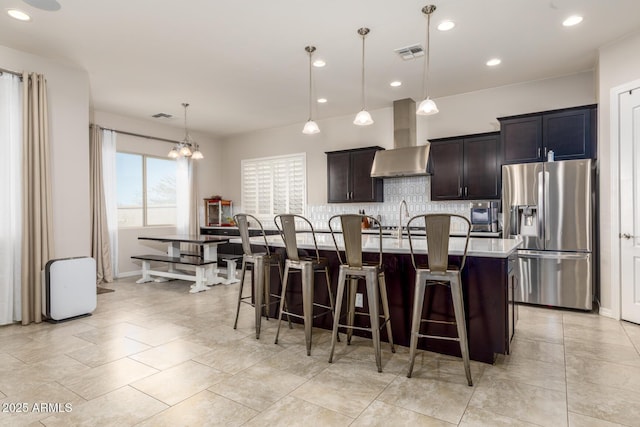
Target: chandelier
(187, 147)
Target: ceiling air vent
(410, 52)
(162, 116)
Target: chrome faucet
(406, 210)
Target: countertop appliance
(484, 216)
(551, 207)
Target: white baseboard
(607, 312)
(129, 274)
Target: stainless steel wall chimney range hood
(406, 158)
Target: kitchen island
(488, 282)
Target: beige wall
(68, 96)
(459, 115)
(619, 63)
(209, 175)
(476, 112)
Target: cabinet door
(447, 168)
(521, 140)
(363, 187)
(482, 167)
(568, 134)
(338, 169)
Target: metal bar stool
(307, 266)
(260, 263)
(352, 270)
(438, 271)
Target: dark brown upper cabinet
(570, 133)
(349, 176)
(465, 167)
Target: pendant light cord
(310, 91)
(363, 104)
(186, 132)
(425, 77)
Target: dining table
(204, 261)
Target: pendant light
(310, 127)
(363, 118)
(187, 147)
(427, 107)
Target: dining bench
(203, 269)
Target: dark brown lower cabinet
(488, 307)
(226, 249)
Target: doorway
(629, 203)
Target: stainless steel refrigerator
(551, 207)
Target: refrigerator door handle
(541, 205)
(553, 255)
(547, 234)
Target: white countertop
(385, 232)
(478, 247)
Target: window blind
(274, 185)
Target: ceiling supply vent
(162, 116)
(410, 52)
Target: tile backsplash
(414, 190)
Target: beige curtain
(37, 244)
(194, 203)
(187, 200)
(100, 247)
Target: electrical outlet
(359, 300)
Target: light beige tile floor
(155, 355)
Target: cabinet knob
(626, 236)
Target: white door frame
(614, 143)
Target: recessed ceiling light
(395, 83)
(446, 25)
(322, 100)
(493, 62)
(319, 63)
(572, 20)
(18, 14)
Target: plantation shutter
(274, 185)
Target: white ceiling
(242, 66)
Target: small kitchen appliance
(484, 216)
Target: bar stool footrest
(438, 337)
(440, 322)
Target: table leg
(146, 265)
(174, 252)
(231, 272)
(210, 253)
(201, 280)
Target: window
(274, 185)
(146, 188)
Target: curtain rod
(139, 135)
(15, 73)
